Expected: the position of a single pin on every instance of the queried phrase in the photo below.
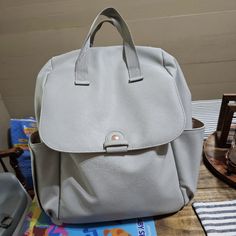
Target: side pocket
(187, 150)
(45, 172)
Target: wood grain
(212, 90)
(196, 75)
(191, 38)
(185, 222)
(202, 73)
(29, 15)
(200, 34)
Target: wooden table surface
(186, 222)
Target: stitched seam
(52, 63)
(178, 174)
(35, 180)
(59, 183)
(164, 65)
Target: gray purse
(116, 136)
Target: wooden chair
(219, 148)
(12, 154)
(227, 111)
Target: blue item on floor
(20, 130)
(38, 223)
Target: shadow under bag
(116, 136)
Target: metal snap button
(115, 137)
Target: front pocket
(110, 187)
(45, 172)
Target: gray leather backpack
(116, 137)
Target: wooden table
(186, 222)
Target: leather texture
(115, 139)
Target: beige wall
(201, 34)
(4, 124)
(4, 121)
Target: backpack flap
(110, 114)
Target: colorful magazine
(38, 223)
(20, 130)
